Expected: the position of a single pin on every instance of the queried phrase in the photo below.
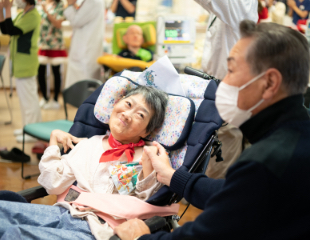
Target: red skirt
(52, 53)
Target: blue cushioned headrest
(179, 115)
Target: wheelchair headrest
(195, 87)
(207, 119)
(178, 118)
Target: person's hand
(7, 4)
(146, 161)
(161, 163)
(131, 229)
(71, 2)
(66, 139)
(291, 3)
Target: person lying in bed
(136, 115)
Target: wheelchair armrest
(33, 193)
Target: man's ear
(273, 83)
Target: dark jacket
(266, 194)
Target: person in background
(134, 40)
(262, 11)
(269, 3)
(298, 9)
(51, 49)
(24, 31)
(222, 34)
(124, 8)
(87, 23)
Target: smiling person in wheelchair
(91, 163)
(266, 192)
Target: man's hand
(131, 229)
(66, 139)
(161, 163)
(291, 3)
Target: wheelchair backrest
(207, 120)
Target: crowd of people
(256, 193)
(86, 46)
(45, 28)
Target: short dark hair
(280, 47)
(157, 100)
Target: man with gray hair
(222, 34)
(265, 193)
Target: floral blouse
(50, 36)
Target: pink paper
(120, 206)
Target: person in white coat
(222, 34)
(87, 23)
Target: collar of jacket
(262, 124)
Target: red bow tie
(119, 149)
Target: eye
(141, 115)
(229, 70)
(129, 104)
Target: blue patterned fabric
(179, 112)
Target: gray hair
(157, 100)
(280, 47)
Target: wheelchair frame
(199, 166)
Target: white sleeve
(146, 187)
(231, 12)
(87, 12)
(56, 174)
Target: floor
(11, 172)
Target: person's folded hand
(66, 139)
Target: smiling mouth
(122, 122)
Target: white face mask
(20, 4)
(226, 102)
